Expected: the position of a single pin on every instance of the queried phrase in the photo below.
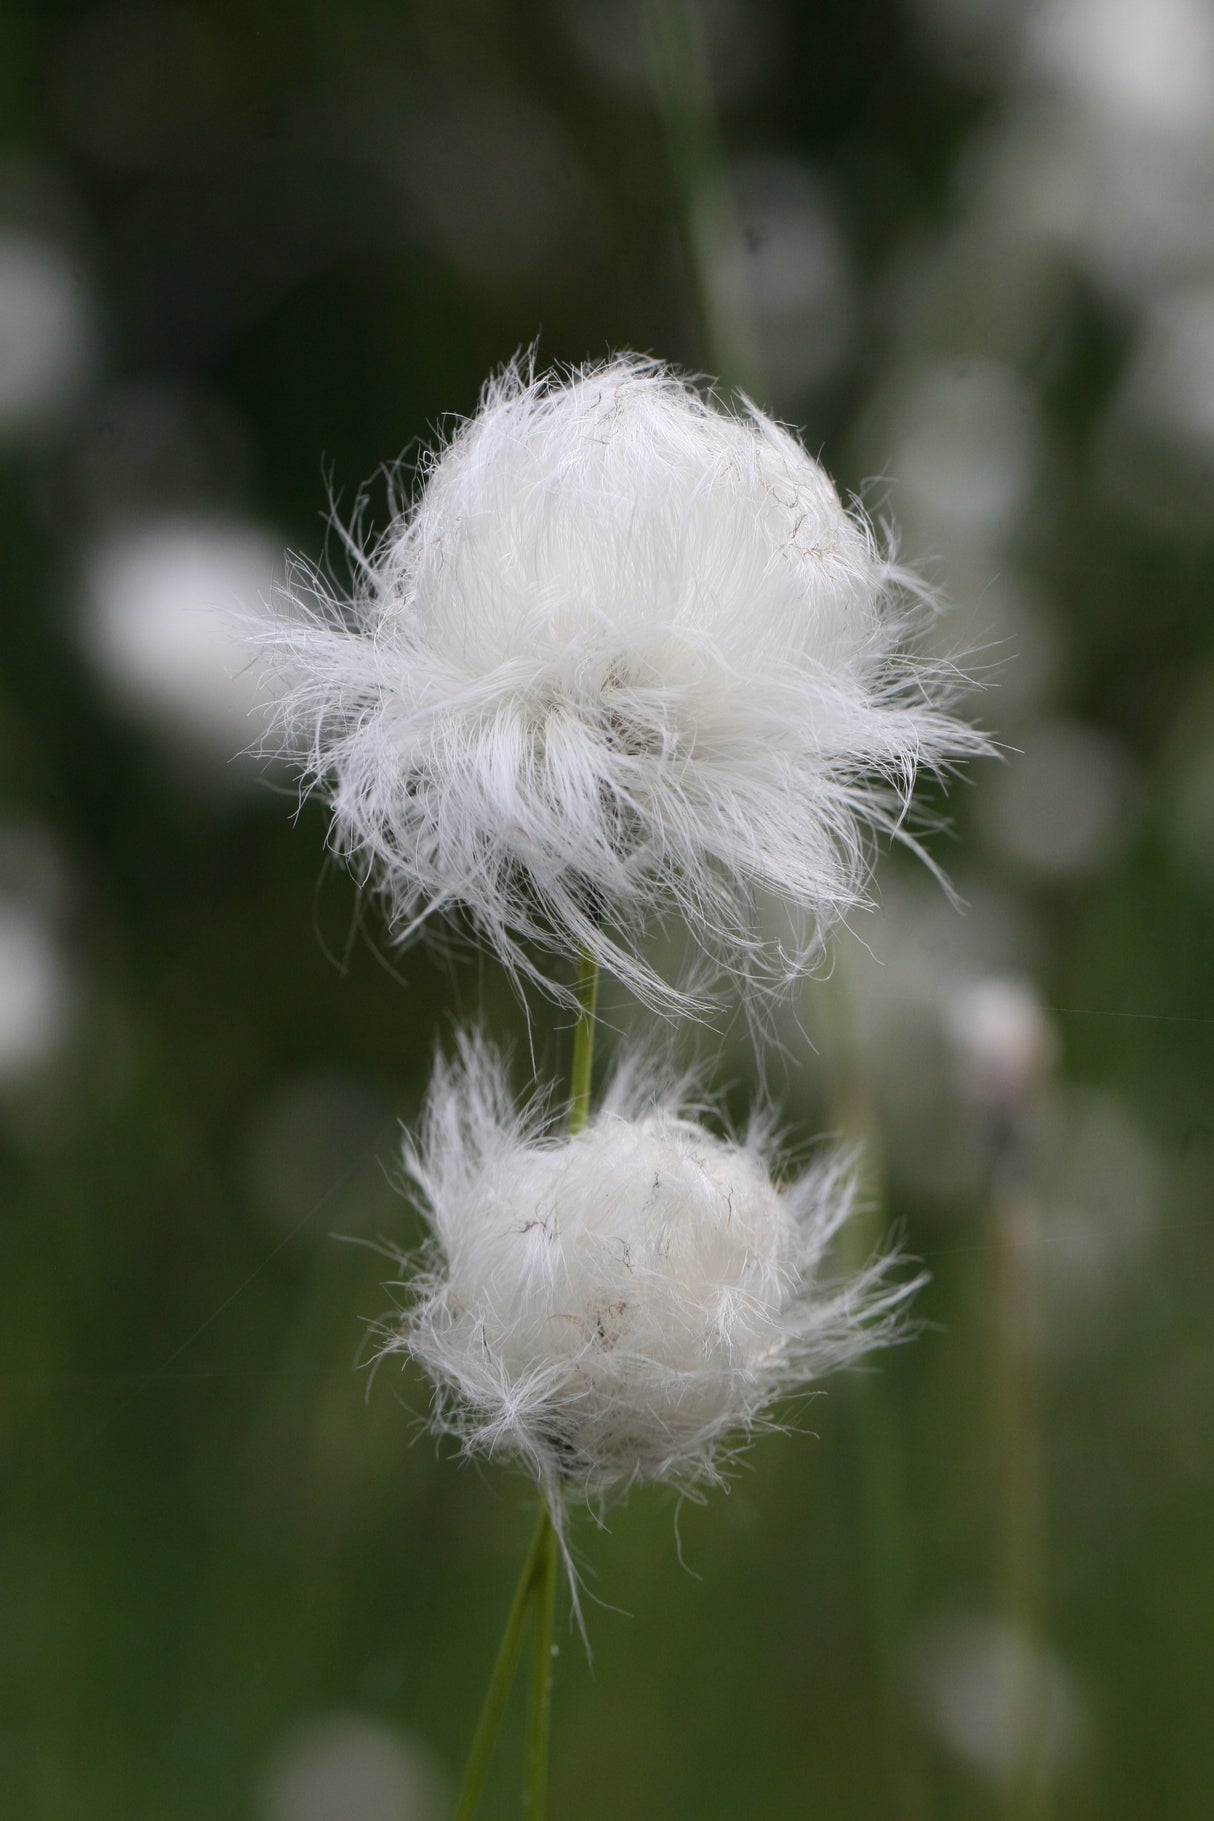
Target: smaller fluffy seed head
(626, 650)
(610, 1307)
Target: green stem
(1016, 1410)
(539, 1698)
(537, 1583)
(503, 1670)
(885, 1531)
(583, 1043)
(702, 190)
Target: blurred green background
(249, 253)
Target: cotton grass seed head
(625, 650)
(615, 1306)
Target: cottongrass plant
(612, 1305)
(624, 657)
(626, 649)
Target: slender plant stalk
(582, 1071)
(889, 1573)
(1016, 1413)
(539, 1698)
(503, 1670)
(537, 1583)
(539, 1702)
(702, 192)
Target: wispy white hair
(615, 1306)
(626, 652)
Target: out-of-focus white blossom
(35, 991)
(1067, 804)
(1170, 382)
(166, 616)
(974, 1677)
(609, 1307)
(1145, 63)
(626, 651)
(352, 1765)
(1004, 1044)
(784, 272)
(1103, 1186)
(46, 329)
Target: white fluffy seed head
(625, 650)
(611, 1307)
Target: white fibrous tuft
(625, 652)
(614, 1306)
